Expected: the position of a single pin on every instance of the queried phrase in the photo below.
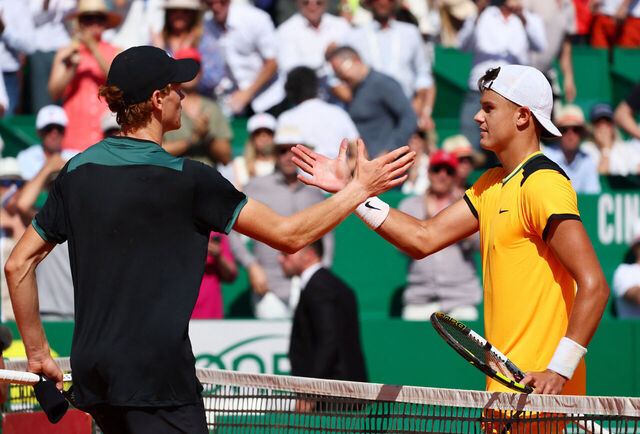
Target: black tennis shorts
(184, 419)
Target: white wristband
(373, 212)
(566, 358)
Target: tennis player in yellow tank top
(544, 288)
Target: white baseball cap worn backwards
(526, 87)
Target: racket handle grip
(51, 399)
(528, 389)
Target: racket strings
(478, 350)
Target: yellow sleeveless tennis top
(528, 293)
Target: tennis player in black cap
(138, 220)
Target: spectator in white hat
(11, 180)
(258, 158)
(51, 124)
(577, 164)
(544, 290)
(109, 125)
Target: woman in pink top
(220, 267)
(79, 69)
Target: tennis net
(238, 402)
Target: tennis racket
(480, 353)
(484, 356)
(53, 402)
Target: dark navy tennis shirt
(137, 220)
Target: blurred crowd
(310, 72)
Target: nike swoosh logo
(503, 210)
(369, 206)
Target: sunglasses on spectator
(9, 182)
(51, 127)
(183, 11)
(213, 2)
(440, 167)
(316, 2)
(93, 18)
(575, 129)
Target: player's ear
(523, 117)
(157, 98)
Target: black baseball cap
(139, 71)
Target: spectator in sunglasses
(577, 164)
(51, 124)
(612, 154)
(79, 69)
(447, 280)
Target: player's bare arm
(290, 234)
(415, 237)
(20, 270)
(420, 238)
(570, 243)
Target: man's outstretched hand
(330, 175)
(378, 175)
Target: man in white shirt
(559, 17)
(246, 36)
(305, 38)
(497, 36)
(16, 38)
(626, 280)
(50, 34)
(396, 49)
(322, 125)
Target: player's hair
(344, 52)
(129, 116)
(318, 248)
(487, 78)
(301, 85)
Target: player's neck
(149, 132)
(517, 151)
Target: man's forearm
(624, 118)
(20, 271)
(591, 300)
(290, 234)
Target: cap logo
(488, 78)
